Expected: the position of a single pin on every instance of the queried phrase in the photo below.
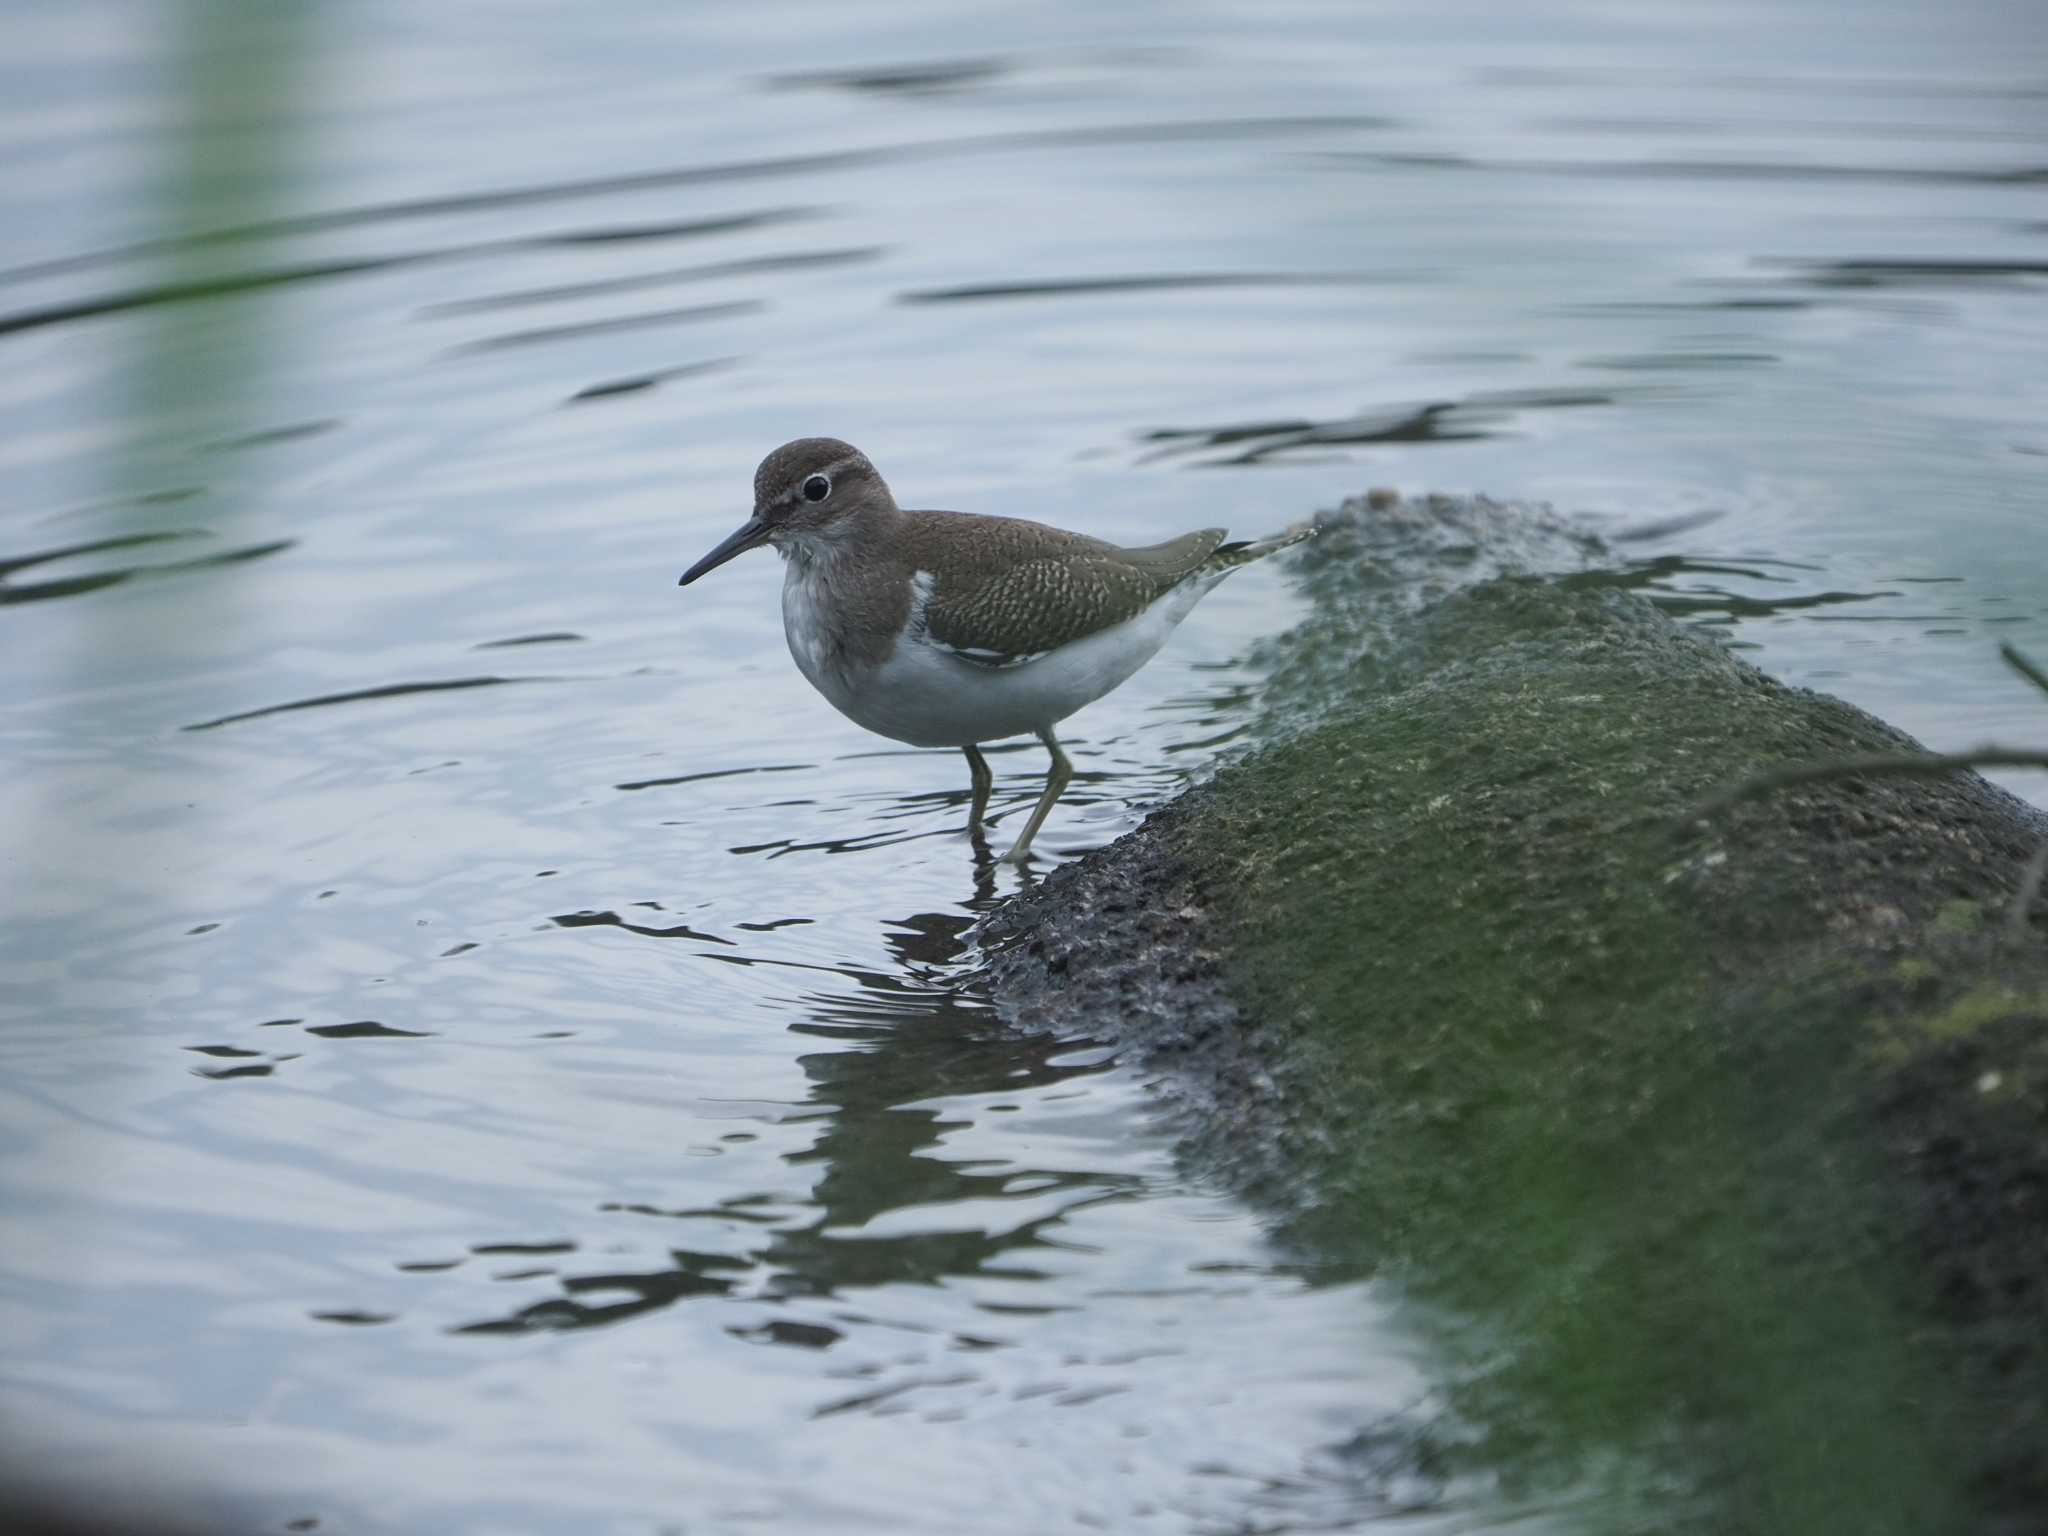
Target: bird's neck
(858, 541)
(846, 592)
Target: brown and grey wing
(1021, 613)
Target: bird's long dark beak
(743, 538)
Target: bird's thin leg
(984, 781)
(1056, 780)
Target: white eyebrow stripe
(796, 492)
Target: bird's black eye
(817, 488)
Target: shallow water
(486, 1048)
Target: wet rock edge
(1730, 1140)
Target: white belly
(928, 697)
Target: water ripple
(577, 188)
(93, 581)
(358, 695)
(225, 284)
(1062, 287)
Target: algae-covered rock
(1716, 1149)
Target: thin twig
(2031, 671)
(2029, 891)
(1929, 765)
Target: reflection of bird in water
(896, 1037)
(909, 1035)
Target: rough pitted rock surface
(1737, 1129)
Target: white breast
(925, 695)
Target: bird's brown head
(806, 493)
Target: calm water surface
(486, 1049)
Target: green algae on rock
(1722, 1155)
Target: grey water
(482, 1047)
